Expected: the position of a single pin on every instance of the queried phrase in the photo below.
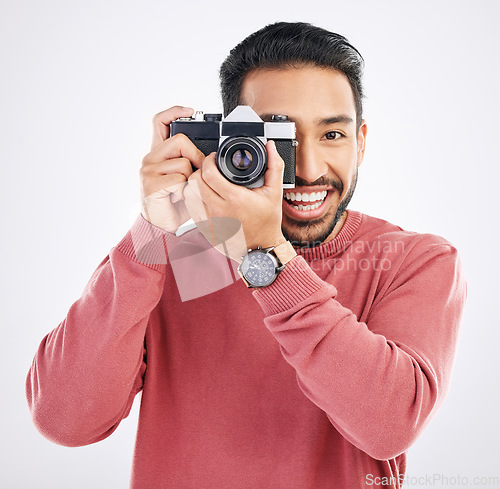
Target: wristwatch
(261, 266)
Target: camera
(239, 141)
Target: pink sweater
(322, 380)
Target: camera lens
(242, 159)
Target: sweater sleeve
(378, 381)
(87, 371)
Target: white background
(79, 85)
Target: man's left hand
(210, 198)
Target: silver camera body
(239, 141)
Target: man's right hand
(165, 171)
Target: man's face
(321, 103)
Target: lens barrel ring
(247, 174)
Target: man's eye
(333, 135)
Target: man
(322, 379)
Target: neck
(337, 228)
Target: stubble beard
(308, 234)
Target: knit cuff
(293, 285)
(147, 244)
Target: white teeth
(316, 197)
(301, 207)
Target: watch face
(259, 268)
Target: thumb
(275, 166)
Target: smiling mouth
(305, 201)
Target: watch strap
(285, 252)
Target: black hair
(291, 44)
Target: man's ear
(361, 142)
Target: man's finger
(167, 167)
(204, 190)
(194, 202)
(164, 185)
(215, 180)
(273, 177)
(162, 120)
(178, 146)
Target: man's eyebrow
(343, 119)
(335, 119)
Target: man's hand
(215, 204)
(165, 171)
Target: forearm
(378, 384)
(87, 370)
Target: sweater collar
(338, 243)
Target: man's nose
(309, 162)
